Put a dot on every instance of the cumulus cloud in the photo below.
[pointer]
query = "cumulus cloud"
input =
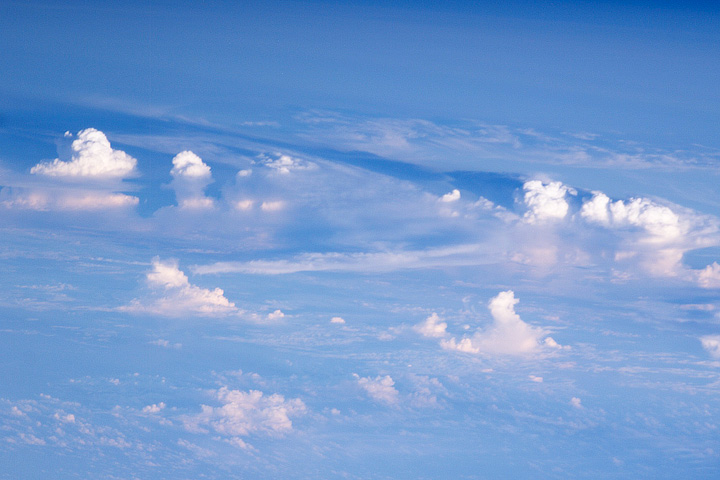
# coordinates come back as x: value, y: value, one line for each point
x: 284, y: 164
x: 381, y: 389
x: 576, y: 402
x: 453, y: 196
x: 709, y: 277
x: 711, y: 343
x: 154, y: 408
x: 91, y: 156
x: 658, y: 221
x: 174, y: 295
x: 546, y: 202
x: 431, y: 327
x: 246, y: 413
x: 190, y: 177
x: 338, y: 320
x: 508, y: 334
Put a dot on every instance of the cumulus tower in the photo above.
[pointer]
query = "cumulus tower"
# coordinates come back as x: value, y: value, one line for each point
x: 190, y: 177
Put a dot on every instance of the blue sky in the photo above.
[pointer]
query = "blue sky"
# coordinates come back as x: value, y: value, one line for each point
x: 359, y: 240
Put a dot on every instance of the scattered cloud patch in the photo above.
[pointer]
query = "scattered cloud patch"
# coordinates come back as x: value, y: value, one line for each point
x: 433, y: 326
x: 453, y: 196
x: 154, y: 408
x: 711, y: 343
x: 174, y: 295
x: 546, y: 202
x: 337, y: 320
x: 166, y: 344
x: 284, y: 164
x: 190, y: 177
x: 709, y: 277
x: 576, y: 402
x: 381, y: 389
x: 241, y: 414
x: 91, y: 156
x: 508, y: 334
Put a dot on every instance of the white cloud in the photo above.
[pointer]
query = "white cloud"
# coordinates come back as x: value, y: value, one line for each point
x: 190, y: 177
x: 165, y: 343
x: 453, y: 196
x: 272, y: 206
x: 658, y: 221
x: 380, y: 389
x: 546, y: 201
x: 91, y: 157
x: 276, y: 315
x: 76, y: 200
x: 709, y: 277
x: 174, y: 295
x: 338, y: 320
x: 711, y: 343
x: 431, y: 327
x: 508, y: 334
x: 246, y: 413
x: 576, y: 402
x: 536, y: 379
x: 284, y: 164
x: 154, y: 408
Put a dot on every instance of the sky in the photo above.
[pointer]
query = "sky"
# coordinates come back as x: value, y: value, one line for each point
x: 359, y: 240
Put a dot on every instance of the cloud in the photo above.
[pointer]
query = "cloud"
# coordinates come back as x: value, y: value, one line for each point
x: 174, y: 295
x: 338, y: 320
x: 246, y: 413
x: 711, y: 343
x: 154, y: 408
x: 709, y: 277
x: 453, y: 196
x: 91, y: 156
x: 431, y: 327
x: 508, y: 334
x: 75, y: 200
x: 381, y: 389
x: 190, y: 177
x: 284, y: 164
x: 546, y: 202
x: 576, y: 402
x: 658, y: 221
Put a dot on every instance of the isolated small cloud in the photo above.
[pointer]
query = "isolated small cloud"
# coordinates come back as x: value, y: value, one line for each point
x: 576, y: 402
x: 338, y: 320
x: 381, y: 389
x: 241, y: 414
x: 508, y: 334
x: 190, y: 177
x: 91, y: 156
x: 276, y: 315
x: 154, y: 408
x: 284, y: 164
x: 546, y: 202
x: 433, y: 326
x: 453, y: 196
x: 711, y: 343
x: 174, y: 295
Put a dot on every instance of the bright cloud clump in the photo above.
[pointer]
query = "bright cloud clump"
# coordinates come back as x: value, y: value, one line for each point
x: 381, y: 389
x: 91, y: 156
x: 174, y: 295
x: 546, y: 202
x: 508, y: 334
x: 190, y: 177
x: 247, y: 413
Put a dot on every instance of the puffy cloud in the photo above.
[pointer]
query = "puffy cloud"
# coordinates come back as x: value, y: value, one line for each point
x: 508, y: 334
x: 711, y: 343
x: 190, y: 177
x: 546, y: 201
x: 174, y: 295
x: 453, y: 196
x: 276, y: 315
x: 338, y: 320
x: 658, y: 221
x: 576, y: 402
x: 284, y: 164
x: 709, y: 277
x: 431, y: 327
x: 246, y: 413
x: 154, y: 408
x: 380, y: 389
x: 272, y: 206
x: 91, y: 156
